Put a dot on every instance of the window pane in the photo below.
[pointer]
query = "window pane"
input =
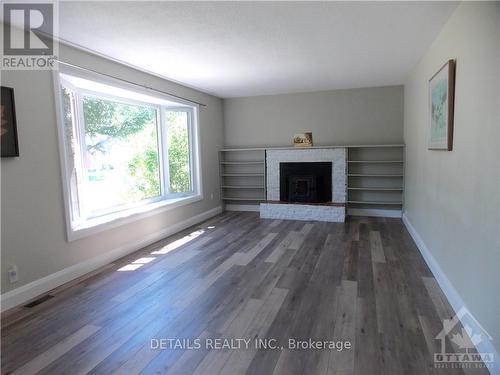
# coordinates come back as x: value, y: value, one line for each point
x: 178, y: 151
x: 121, y: 157
x: 70, y: 132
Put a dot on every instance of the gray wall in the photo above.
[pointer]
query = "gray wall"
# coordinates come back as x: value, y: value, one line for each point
x: 452, y: 198
x: 356, y: 116
x: 33, y: 227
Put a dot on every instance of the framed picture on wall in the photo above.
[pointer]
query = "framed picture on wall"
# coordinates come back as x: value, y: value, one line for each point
x: 8, y: 132
x: 441, y: 107
x: 303, y: 139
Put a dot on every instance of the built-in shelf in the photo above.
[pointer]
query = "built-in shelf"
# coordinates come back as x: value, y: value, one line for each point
x: 376, y: 202
x: 246, y: 149
x: 375, y: 188
x: 365, y: 165
x: 242, y: 175
x: 244, y: 199
x: 376, y: 161
x: 375, y: 175
x: 306, y: 148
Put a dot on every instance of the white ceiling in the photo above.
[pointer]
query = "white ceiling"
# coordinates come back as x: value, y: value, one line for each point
x: 234, y: 49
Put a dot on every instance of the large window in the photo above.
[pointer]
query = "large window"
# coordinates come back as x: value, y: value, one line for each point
x: 125, y: 150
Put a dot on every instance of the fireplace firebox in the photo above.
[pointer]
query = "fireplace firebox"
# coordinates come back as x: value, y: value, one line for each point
x: 309, y: 182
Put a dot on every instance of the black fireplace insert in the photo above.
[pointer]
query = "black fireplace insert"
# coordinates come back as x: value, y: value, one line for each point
x: 309, y: 182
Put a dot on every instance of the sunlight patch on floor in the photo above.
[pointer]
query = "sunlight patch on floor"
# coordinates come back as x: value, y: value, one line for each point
x: 178, y: 243
x: 130, y: 267
x: 143, y: 260
x: 164, y: 250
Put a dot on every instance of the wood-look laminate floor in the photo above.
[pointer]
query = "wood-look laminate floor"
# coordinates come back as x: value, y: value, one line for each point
x: 237, y: 276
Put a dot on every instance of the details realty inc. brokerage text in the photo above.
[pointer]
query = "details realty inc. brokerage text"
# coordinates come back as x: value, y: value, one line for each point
x: 246, y: 343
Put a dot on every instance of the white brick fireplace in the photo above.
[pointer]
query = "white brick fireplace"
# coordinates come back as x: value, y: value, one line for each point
x: 334, y: 211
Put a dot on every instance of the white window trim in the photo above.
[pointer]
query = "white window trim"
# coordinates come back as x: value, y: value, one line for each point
x: 141, y: 211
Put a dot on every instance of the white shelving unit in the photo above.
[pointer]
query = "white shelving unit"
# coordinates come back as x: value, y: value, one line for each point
x: 243, y: 180
x: 375, y: 175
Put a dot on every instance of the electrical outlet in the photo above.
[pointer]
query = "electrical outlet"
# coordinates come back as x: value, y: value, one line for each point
x: 12, y: 273
x: 212, y: 196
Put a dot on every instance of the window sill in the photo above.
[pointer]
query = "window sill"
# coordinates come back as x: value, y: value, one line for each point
x: 116, y: 219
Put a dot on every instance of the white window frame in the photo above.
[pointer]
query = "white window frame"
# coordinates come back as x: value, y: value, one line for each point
x: 87, y: 224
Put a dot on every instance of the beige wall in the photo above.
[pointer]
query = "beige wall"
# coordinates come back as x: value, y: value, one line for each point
x: 33, y: 227
x: 356, y: 116
x: 452, y: 198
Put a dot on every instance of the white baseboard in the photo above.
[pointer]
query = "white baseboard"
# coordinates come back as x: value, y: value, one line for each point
x: 29, y: 291
x: 378, y: 212
x: 242, y: 207
x: 456, y: 302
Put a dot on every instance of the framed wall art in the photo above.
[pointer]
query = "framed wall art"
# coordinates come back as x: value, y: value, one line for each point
x: 8, y: 132
x: 303, y: 139
x: 441, y: 107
